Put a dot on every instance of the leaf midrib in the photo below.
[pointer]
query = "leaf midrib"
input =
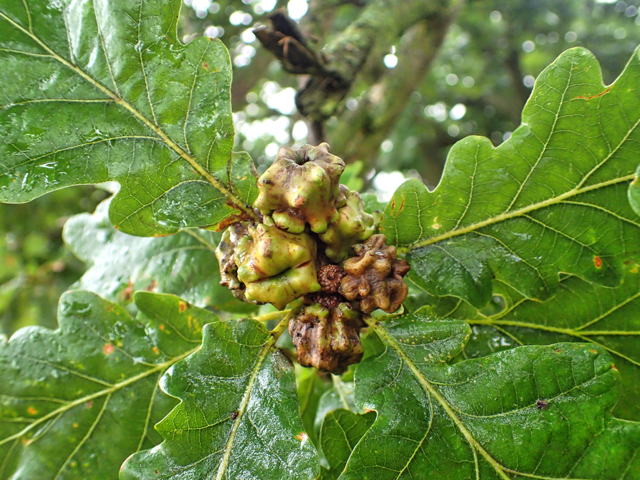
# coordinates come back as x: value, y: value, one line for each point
x: 156, y: 129
x: 513, y: 214
x: 243, y: 407
x: 501, y: 470
x: 475, y: 446
x: 93, y: 396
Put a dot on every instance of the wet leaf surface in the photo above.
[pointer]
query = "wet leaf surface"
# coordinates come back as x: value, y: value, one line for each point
x: 76, y: 402
x: 531, y: 412
x: 238, y: 416
x: 104, y: 90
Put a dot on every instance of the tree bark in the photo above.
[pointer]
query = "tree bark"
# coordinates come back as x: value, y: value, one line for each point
x: 360, y: 132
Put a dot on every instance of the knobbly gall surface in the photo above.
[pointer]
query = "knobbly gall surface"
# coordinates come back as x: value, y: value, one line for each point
x: 374, y: 277
x: 328, y: 339
x: 302, y: 186
x: 278, y: 261
x: 353, y: 225
x: 276, y: 266
x: 225, y: 253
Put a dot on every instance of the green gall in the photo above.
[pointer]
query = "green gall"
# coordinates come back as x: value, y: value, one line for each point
x: 225, y: 253
x: 302, y: 186
x: 353, y: 225
x: 327, y: 338
x: 276, y: 266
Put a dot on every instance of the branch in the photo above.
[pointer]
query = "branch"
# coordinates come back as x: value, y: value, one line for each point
x: 333, y: 72
x: 359, y: 133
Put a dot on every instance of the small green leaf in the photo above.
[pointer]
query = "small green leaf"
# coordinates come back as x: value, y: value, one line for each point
x: 183, y: 264
x: 339, y: 396
x: 530, y: 412
x: 371, y: 203
x: 75, y: 402
x: 550, y: 199
x: 351, y: 176
x: 238, y: 416
x: 341, y: 431
x: 104, y: 90
x: 310, y: 390
x: 634, y: 193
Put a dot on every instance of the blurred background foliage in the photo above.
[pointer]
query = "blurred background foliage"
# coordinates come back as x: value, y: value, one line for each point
x: 469, y: 73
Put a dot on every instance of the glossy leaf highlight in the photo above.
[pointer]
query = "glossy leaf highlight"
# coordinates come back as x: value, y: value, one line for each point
x: 238, y: 416
x: 104, y: 90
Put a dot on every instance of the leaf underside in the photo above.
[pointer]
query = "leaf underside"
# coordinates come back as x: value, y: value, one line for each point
x: 103, y: 90
x: 531, y: 412
x: 551, y: 199
x: 75, y: 402
x: 183, y: 264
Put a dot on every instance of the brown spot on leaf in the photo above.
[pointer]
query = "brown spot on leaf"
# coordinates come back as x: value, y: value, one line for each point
x: 231, y: 219
x: 89, y: 404
x: 127, y: 292
x: 597, y: 261
x: 205, y: 65
x: 182, y: 306
x: 594, y: 96
x: 234, y: 415
x: 302, y: 436
x: 542, y: 405
x: 108, y: 349
x: 32, y: 411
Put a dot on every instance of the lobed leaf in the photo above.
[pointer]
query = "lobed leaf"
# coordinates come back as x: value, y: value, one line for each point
x: 103, y: 90
x: 183, y: 264
x: 530, y: 412
x: 580, y: 311
x: 75, y: 402
x: 238, y: 416
x: 551, y: 199
x: 341, y: 432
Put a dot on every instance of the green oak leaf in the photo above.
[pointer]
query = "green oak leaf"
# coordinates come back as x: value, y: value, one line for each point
x: 75, y: 402
x: 551, y: 199
x: 530, y: 412
x: 341, y: 431
x: 103, y: 90
x: 183, y: 264
x: 634, y: 193
x: 311, y: 388
x: 580, y: 311
x: 339, y: 396
x: 238, y: 416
